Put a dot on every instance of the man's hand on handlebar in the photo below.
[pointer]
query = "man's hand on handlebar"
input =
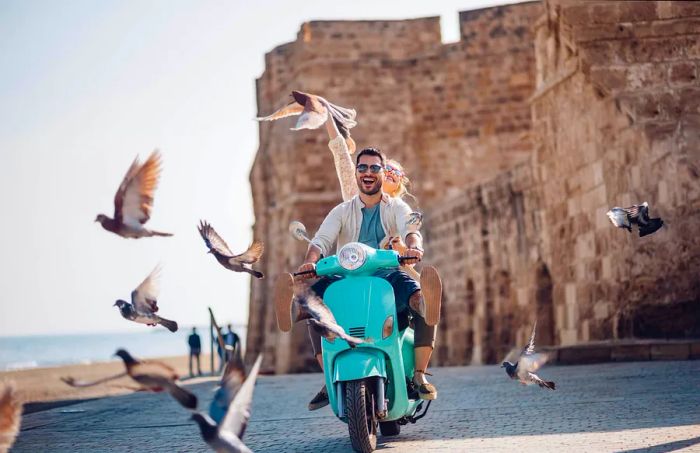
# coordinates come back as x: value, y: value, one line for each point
x: 412, y: 253
x: 306, y: 271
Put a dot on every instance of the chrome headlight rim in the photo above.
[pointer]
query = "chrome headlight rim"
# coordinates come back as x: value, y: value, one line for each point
x: 352, y: 256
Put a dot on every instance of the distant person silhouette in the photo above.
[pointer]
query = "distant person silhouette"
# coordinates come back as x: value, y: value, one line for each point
x: 195, y: 349
x: 232, y: 339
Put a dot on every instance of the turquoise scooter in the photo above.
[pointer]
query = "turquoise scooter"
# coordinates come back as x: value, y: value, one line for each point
x: 369, y: 385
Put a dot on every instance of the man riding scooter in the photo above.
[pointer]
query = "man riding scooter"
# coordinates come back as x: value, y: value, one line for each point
x: 369, y: 218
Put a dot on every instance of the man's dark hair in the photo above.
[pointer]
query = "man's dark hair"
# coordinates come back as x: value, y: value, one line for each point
x: 371, y: 152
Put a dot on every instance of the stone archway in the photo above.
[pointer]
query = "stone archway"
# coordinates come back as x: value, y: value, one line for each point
x: 544, y: 300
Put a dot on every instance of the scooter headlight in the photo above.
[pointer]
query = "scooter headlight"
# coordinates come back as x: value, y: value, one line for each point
x: 352, y: 256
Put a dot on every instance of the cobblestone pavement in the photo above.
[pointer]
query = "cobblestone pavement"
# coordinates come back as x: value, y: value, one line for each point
x: 630, y: 407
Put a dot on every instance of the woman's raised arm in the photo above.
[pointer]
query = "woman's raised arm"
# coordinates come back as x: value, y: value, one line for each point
x: 342, y: 159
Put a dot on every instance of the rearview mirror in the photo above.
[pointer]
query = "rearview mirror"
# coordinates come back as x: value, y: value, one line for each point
x: 298, y: 230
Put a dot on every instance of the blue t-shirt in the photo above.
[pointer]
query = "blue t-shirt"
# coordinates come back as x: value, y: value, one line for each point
x: 371, y: 231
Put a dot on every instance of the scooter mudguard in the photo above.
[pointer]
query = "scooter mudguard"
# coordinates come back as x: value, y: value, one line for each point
x: 359, y: 364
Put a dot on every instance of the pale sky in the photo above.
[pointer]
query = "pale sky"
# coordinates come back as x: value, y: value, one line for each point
x: 87, y: 85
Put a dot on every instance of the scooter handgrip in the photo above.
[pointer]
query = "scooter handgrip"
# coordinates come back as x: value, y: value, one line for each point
x: 407, y: 258
x: 296, y: 274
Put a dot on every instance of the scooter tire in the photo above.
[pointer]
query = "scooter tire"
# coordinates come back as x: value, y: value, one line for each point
x: 389, y: 428
x: 362, y: 424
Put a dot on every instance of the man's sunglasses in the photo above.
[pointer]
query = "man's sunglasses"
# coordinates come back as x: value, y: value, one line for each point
x: 374, y: 168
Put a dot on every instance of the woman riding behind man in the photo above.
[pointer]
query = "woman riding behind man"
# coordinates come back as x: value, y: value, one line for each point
x: 395, y: 185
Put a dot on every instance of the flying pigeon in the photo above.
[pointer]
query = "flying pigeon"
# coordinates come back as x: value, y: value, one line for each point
x: 150, y: 374
x: 415, y: 221
x: 10, y: 415
x: 635, y: 215
x: 144, y: 304
x: 314, y: 111
x: 524, y: 368
x: 226, y: 435
x: 311, y: 307
x: 224, y: 255
x: 157, y: 376
x: 134, y: 200
x: 231, y: 381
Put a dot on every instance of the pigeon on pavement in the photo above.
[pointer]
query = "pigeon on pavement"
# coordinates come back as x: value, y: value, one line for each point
x: 144, y: 304
x: 635, y: 215
x: 311, y: 307
x: 314, y: 111
x: 134, y: 200
x: 524, y: 368
x: 224, y: 255
x: 10, y: 415
x: 226, y: 436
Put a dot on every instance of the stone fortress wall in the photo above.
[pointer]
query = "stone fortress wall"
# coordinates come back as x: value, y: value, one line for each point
x: 518, y: 137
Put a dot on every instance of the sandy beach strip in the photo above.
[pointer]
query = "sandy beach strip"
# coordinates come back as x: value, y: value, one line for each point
x: 43, y: 388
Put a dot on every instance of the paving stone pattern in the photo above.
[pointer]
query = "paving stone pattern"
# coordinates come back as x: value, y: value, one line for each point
x: 630, y: 407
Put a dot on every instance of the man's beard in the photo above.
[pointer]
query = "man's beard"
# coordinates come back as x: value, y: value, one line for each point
x: 376, y: 188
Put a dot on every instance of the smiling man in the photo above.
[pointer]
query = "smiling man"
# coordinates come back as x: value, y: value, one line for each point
x: 369, y: 218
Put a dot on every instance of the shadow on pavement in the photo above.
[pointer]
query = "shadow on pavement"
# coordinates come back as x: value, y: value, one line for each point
x: 663, y: 448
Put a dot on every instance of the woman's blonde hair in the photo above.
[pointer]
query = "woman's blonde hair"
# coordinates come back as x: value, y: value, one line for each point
x: 404, y: 183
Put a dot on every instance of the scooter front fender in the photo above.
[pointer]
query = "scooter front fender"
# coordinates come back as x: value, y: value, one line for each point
x: 359, y: 363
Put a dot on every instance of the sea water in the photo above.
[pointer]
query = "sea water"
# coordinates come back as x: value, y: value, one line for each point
x: 34, y: 351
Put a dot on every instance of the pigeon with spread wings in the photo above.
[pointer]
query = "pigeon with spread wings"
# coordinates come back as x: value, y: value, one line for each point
x: 10, y: 415
x: 637, y: 214
x: 231, y: 381
x: 527, y: 363
x: 309, y: 306
x: 150, y: 374
x: 144, y: 303
x: 134, y: 200
x: 237, y: 263
x: 226, y: 435
x: 313, y: 111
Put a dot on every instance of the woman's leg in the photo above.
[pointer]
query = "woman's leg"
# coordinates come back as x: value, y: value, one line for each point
x: 424, y: 341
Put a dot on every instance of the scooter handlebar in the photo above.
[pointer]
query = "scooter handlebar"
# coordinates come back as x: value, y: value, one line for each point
x: 407, y: 258
x: 297, y: 274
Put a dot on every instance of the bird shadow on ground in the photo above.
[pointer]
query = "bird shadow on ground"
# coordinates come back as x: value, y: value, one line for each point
x: 663, y: 448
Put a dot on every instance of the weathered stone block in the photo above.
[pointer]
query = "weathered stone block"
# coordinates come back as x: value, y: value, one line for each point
x: 682, y: 73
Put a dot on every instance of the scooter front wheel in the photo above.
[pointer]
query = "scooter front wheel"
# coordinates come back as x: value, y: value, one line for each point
x: 362, y: 422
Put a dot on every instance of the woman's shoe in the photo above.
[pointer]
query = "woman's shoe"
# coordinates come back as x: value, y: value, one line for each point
x: 431, y: 290
x: 283, y: 297
x: 427, y: 391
